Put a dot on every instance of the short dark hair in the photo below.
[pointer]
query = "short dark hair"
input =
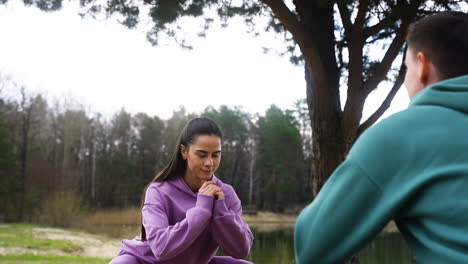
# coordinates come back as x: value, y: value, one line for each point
x: 443, y: 37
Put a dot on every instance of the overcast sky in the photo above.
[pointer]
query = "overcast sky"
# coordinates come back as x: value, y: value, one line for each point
x: 106, y: 66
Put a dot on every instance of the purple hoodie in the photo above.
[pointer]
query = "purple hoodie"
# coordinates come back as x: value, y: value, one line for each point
x: 183, y: 227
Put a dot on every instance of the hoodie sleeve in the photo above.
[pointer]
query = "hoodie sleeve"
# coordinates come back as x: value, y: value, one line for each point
x: 349, y: 211
x: 230, y: 231
x: 168, y: 241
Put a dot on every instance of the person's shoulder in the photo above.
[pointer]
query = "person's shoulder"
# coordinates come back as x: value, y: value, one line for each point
x: 398, y: 120
x: 396, y: 126
x: 220, y: 183
x: 157, y: 190
x: 390, y: 130
x: 156, y: 186
x: 385, y: 140
x: 227, y: 188
x: 400, y: 127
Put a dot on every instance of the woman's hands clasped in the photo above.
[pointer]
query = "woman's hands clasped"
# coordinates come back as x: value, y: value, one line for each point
x: 210, y: 188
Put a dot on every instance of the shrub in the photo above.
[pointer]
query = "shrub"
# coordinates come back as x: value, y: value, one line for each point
x: 61, y: 208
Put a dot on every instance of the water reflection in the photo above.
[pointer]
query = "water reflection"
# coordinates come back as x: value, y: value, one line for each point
x: 387, y: 249
x: 276, y: 247
x: 273, y: 247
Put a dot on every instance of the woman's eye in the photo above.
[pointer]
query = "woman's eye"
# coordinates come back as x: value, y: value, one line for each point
x: 217, y: 155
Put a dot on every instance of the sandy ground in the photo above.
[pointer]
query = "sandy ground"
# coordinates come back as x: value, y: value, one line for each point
x: 89, y: 245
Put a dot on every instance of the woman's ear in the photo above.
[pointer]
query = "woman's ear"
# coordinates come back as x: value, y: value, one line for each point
x: 183, y: 151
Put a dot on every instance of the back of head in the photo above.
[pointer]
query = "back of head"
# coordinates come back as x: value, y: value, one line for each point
x: 443, y: 37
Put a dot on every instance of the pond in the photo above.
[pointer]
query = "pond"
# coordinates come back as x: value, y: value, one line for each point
x: 276, y: 247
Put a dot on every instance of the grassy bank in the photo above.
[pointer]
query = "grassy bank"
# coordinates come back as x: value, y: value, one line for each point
x: 261, y: 221
x: 132, y: 216
x: 23, y: 243
x: 25, y: 258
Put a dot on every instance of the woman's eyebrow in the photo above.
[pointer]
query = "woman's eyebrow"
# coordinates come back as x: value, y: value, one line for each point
x: 204, y: 151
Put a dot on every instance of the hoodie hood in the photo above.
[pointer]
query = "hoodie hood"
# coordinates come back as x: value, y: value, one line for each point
x: 450, y: 93
x: 182, y: 186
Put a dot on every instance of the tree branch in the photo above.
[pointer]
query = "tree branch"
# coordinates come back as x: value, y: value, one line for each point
x: 361, y: 15
x: 355, y: 48
x: 345, y: 17
x: 377, y: 38
x: 305, y: 39
x: 383, y: 67
x: 410, y: 11
x: 388, y: 100
x: 370, y: 31
x: 289, y: 20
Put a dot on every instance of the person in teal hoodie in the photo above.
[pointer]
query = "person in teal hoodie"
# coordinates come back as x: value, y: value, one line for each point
x: 411, y: 167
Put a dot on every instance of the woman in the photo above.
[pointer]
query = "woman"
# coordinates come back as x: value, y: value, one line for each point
x: 188, y: 213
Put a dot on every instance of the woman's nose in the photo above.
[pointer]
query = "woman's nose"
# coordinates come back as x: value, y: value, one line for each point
x: 208, y: 162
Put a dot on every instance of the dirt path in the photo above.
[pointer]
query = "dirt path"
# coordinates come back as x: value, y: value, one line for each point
x: 88, y: 245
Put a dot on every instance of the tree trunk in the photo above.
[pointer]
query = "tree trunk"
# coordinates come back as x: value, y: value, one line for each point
x: 24, y: 160
x: 327, y: 146
x: 234, y: 179
x: 323, y: 95
x: 251, y: 168
x: 312, y: 27
x: 93, y: 172
x: 25, y: 127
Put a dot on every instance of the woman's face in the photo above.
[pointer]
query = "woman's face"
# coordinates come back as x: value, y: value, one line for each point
x: 203, y: 157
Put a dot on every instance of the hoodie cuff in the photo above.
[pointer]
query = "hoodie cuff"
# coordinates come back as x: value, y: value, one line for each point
x: 204, y: 201
x: 220, y: 208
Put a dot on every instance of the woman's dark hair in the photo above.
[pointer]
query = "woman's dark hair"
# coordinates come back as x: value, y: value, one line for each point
x: 443, y: 37
x: 177, y: 165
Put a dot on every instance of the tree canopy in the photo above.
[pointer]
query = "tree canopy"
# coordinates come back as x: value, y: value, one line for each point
x: 336, y: 40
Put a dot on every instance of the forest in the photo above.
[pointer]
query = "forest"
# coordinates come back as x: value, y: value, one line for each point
x: 56, y: 154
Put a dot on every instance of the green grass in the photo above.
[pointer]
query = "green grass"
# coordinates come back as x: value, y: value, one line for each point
x: 20, y: 235
x: 33, y: 259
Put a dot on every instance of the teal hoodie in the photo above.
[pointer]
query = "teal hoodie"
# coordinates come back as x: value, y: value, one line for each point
x: 411, y: 167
